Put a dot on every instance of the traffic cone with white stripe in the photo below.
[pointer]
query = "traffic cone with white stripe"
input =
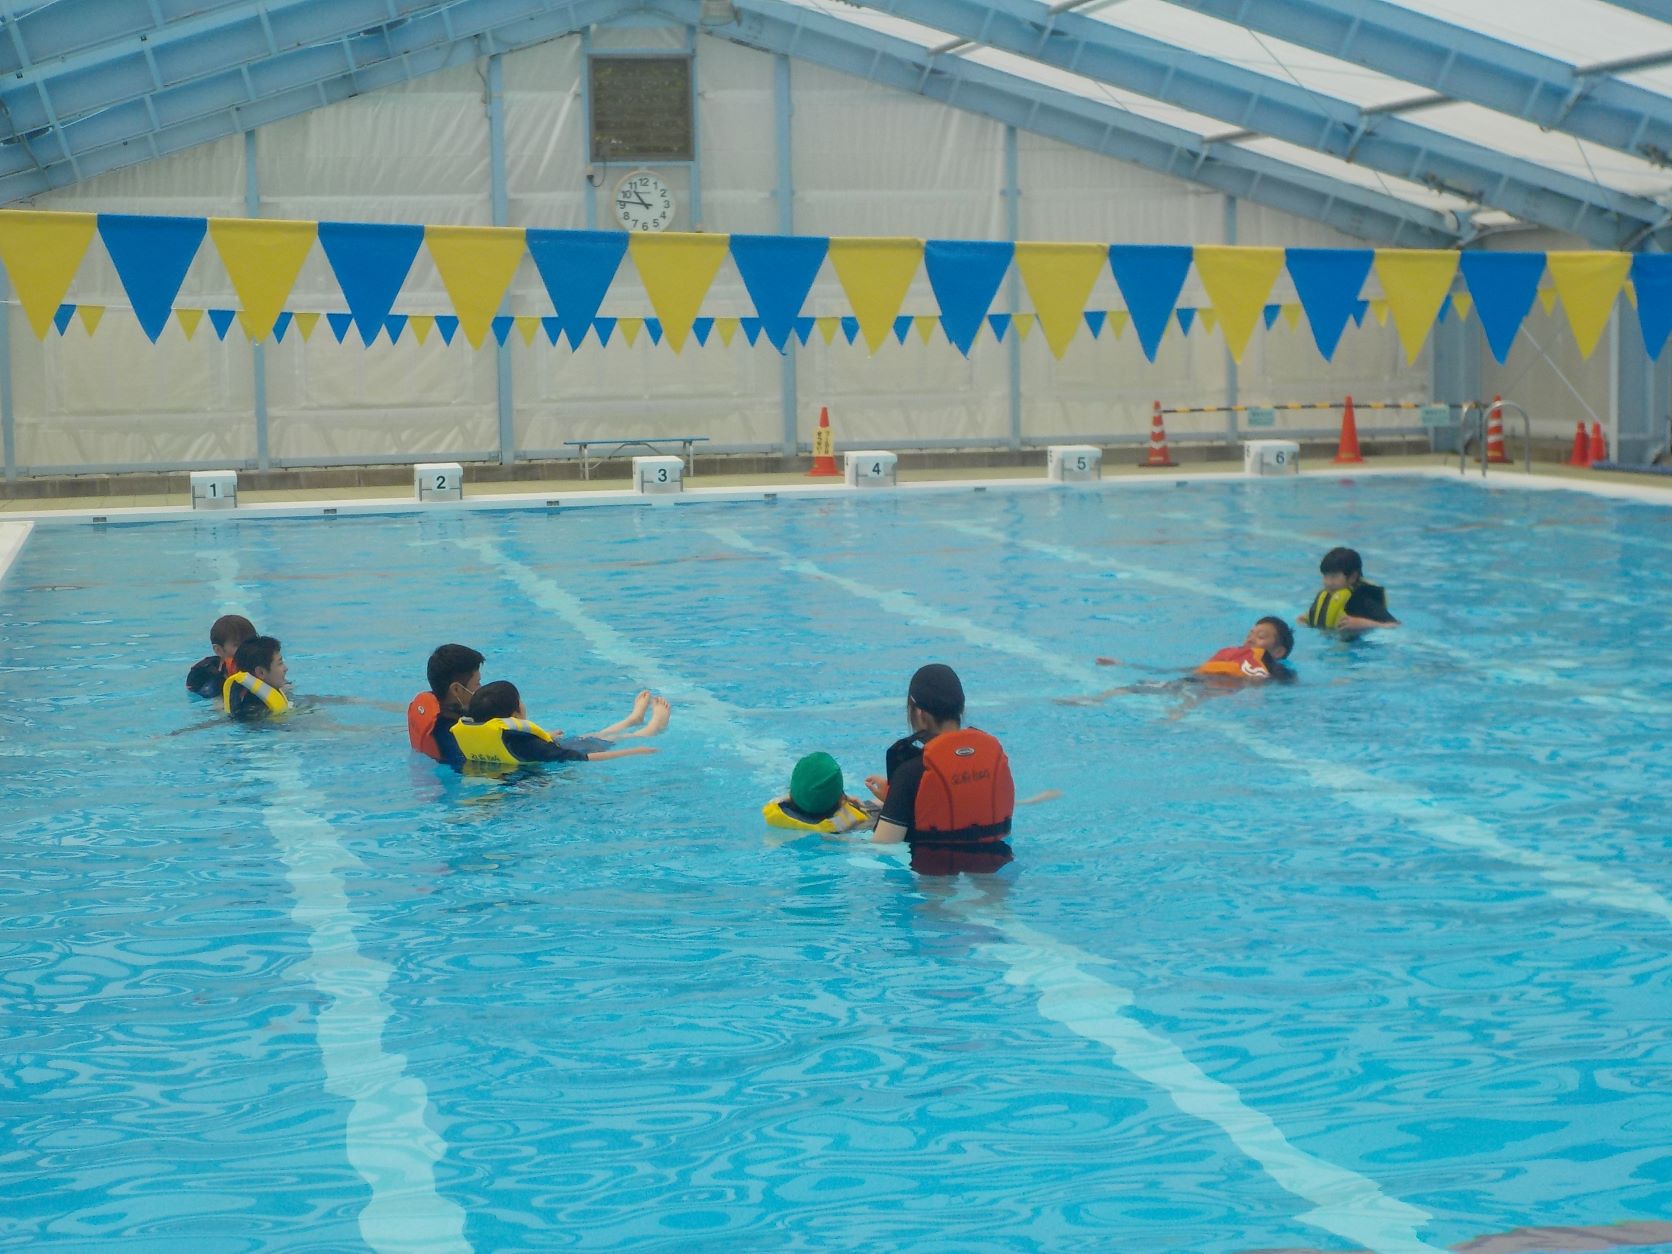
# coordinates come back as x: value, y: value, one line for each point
x: 824, y: 449
x: 1158, y: 455
x: 1495, y: 432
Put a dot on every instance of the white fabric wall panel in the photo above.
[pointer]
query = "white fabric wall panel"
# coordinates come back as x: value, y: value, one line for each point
x: 1105, y: 387
x: 545, y: 136
x: 737, y: 138
x: 1071, y: 194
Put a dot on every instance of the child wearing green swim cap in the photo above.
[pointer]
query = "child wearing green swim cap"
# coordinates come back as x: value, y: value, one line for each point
x: 817, y: 797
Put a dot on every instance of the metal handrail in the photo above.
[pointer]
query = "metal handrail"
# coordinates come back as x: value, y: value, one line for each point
x: 1483, y: 420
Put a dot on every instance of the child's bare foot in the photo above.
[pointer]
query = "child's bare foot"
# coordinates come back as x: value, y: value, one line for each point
x: 641, y: 705
x: 659, y: 711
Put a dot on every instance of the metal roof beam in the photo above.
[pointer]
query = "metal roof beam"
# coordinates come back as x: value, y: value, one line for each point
x: 896, y: 63
x: 51, y: 32
x: 250, y: 96
x: 1282, y: 110
x: 1466, y: 65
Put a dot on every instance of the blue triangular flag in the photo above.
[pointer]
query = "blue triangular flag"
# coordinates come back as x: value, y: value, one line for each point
x: 61, y: 317
x: 751, y: 328
x: 1271, y: 313
x: 1651, y: 274
x: 1360, y: 308
x: 803, y: 329
x: 602, y: 327
x: 370, y: 260
x: 1445, y: 310
x: 1504, y: 287
x: 1095, y: 318
x: 701, y: 328
x: 1327, y: 283
x: 553, y: 328
x: 221, y: 319
x: 151, y: 256
x: 577, y: 268
x: 902, y: 327
x: 1187, y: 319
x: 393, y: 326
x: 653, y: 328
x: 448, y: 325
x: 502, y: 327
x: 1000, y: 324
x: 339, y: 324
x: 778, y: 271
x: 1150, y: 276
x: 850, y: 328
x: 965, y: 276
x: 281, y: 324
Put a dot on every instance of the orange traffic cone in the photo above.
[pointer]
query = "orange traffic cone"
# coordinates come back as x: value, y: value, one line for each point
x: 1581, y: 455
x: 824, y: 449
x: 1599, y: 446
x: 1347, y: 450
x: 1158, y: 455
x: 1495, y: 432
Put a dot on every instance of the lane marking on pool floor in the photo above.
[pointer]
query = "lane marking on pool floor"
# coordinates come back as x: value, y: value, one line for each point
x: 1345, y: 1203
x: 389, y: 1142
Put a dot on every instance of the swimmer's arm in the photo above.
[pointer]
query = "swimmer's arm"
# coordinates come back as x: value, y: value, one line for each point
x: 1352, y: 622
x: 606, y: 754
x: 887, y: 832
x: 325, y: 699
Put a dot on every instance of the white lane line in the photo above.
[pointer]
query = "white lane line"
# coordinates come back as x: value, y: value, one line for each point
x: 389, y: 1140
x: 12, y: 536
x: 1346, y: 1204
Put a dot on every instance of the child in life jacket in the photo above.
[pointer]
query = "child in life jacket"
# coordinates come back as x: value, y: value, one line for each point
x: 816, y: 801
x: 454, y: 673
x: 1259, y: 658
x: 949, y: 794
x: 259, y: 684
x: 497, y: 732
x: 1346, y: 602
x: 206, y: 678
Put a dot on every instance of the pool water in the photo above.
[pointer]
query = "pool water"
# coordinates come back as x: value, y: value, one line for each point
x: 1377, y: 960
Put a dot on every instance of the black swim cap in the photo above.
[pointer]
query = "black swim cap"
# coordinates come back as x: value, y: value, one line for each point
x: 936, y: 691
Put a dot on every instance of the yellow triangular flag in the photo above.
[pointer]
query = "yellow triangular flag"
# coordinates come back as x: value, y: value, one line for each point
x: 677, y: 270
x: 476, y: 264
x: 1631, y: 293
x: 1461, y: 303
x: 1238, y: 282
x: 262, y: 258
x: 924, y: 325
x: 1059, y: 279
x: 630, y: 328
x: 42, y: 252
x: 305, y: 323
x: 875, y: 274
x: 1118, y: 318
x: 1291, y: 314
x: 421, y: 325
x: 1547, y: 299
x: 727, y: 328
x: 527, y: 327
x: 189, y: 320
x: 1023, y: 325
x: 1379, y: 311
x: 1207, y: 318
x: 828, y: 327
x: 89, y: 315
x: 1415, y: 282
x: 1589, y: 284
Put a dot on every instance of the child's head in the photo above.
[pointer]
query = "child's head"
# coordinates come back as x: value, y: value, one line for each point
x: 1341, y: 568
x: 455, y: 672
x: 499, y: 699
x: 816, y: 786
x: 1274, y: 636
x: 261, y: 657
x: 936, y: 692
x: 227, y: 633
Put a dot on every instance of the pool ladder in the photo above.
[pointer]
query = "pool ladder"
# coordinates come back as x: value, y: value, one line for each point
x: 1482, y: 417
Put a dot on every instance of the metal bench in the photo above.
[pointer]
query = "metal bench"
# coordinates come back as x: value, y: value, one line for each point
x: 616, y: 446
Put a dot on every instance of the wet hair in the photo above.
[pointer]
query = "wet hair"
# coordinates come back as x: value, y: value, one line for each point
x: 936, y: 690
x: 231, y: 629
x: 451, y: 664
x: 1341, y: 562
x: 256, y: 653
x: 499, y: 699
x: 1285, y: 636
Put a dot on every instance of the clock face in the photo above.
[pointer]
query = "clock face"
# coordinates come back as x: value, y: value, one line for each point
x: 643, y: 202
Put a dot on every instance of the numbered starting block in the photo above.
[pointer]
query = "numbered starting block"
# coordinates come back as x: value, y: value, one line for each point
x: 214, y: 489
x: 869, y: 468
x: 1270, y: 457
x: 438, y: 481
x: 656, y: 475
x: 1073, y: 463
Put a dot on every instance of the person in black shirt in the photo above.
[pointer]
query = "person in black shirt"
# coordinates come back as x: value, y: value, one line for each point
x: 1347, y: 602
x: 206, y: 678
x: 498, y: 733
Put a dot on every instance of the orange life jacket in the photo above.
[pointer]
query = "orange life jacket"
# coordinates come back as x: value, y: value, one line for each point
x: 1241, y: 660
x: 421, y: 715
x: 967, y: 795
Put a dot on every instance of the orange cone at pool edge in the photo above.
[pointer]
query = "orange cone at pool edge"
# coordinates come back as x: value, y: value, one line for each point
x: 1581, y: 455
x: 1599, y: 446
x: 824, y: 449
x: 1158, y: 455
x: 1495, y: 432
x: 1347, y: 451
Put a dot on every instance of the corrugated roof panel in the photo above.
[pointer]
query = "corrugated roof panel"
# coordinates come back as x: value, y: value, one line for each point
x: 1346, y: 172
x: 1555, y: 151
x: 1580, y: 32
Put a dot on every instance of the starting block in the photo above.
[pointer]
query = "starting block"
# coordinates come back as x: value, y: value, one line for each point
x: 438, y: 481
x: 1073, y: 463
x: 214, y: 489
x: 1270, y: 457
x: 655, y: 475
x: 869, y: 468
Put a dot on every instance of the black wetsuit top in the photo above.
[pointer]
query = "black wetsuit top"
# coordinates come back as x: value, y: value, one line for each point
x: 1370, y: 601
x: 206, y: 677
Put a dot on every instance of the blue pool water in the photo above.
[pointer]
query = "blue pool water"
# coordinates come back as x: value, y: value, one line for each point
x: 1379, y: 960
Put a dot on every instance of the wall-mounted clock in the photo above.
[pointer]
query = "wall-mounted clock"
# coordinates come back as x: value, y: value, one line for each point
x: 643, y: 202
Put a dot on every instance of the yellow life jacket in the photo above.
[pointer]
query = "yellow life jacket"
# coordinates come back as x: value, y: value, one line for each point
x: 485, y: 742
x: 270, y: 696
x: 1328, y: 608
x: 847, y: 817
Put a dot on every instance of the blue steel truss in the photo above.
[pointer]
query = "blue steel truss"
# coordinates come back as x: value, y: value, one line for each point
x: 1465, y: 65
